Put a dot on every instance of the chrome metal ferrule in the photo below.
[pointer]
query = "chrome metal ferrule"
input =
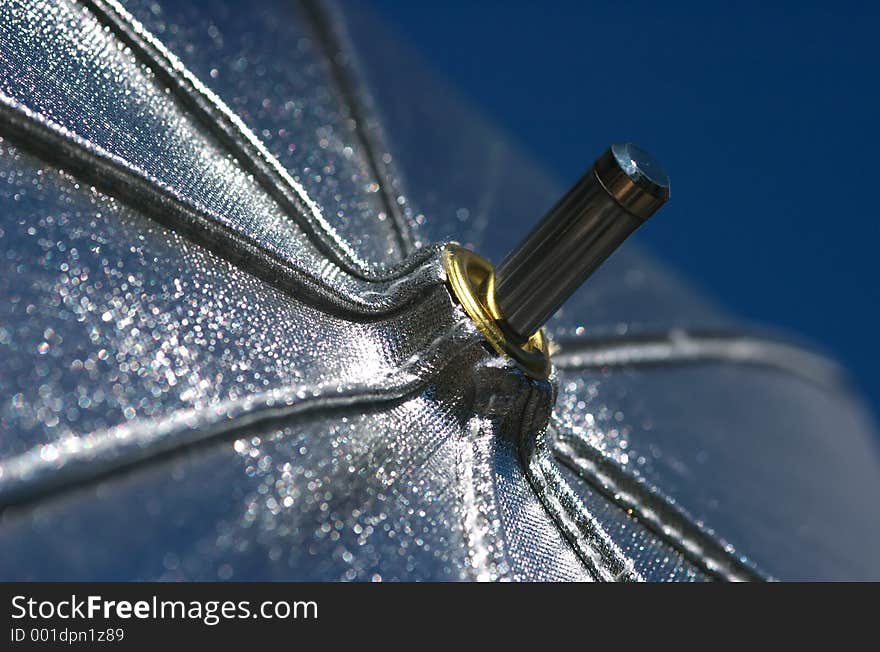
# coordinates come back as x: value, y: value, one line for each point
x: 622, y: 189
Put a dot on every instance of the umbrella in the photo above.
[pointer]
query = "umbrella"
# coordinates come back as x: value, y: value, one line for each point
x: 232, y: 349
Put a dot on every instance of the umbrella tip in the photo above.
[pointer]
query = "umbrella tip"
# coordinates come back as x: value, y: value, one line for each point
x: 623, y: 188
x: 642, y: 170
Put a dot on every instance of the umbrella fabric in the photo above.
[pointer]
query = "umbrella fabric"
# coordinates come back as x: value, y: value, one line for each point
x: 229, y: 351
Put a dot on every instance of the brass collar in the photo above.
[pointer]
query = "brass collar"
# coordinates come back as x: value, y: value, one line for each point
x: 472, y: 279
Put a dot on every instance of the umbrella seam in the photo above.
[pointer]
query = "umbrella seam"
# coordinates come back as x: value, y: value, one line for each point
x: 48, y: 468
x: 677, y: 346
x: 655, y: 511
x: 599, y: 553
x: 337, y: 44
x: 596, y: 550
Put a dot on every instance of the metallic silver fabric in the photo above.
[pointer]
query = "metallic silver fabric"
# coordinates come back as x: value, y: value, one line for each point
x: 295, y: 105
x: 227, y: 355
x: 777, y: 466
x: 394, y: 491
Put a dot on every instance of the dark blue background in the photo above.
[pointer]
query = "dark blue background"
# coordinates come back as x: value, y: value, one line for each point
x: 764, y: 114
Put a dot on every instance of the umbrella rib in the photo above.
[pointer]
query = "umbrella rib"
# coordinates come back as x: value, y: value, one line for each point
x: 340, y: 53
x: 602, y: 557
x: 50, y: 468
x: 26, y: 478
x: 677, y: 347
x: 241, y: 142
x: 653, y: 510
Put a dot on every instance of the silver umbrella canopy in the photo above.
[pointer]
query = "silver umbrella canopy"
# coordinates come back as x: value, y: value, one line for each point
x: 229, y: 350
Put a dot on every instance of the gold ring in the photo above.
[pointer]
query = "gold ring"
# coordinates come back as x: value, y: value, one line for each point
x: 472, y: 279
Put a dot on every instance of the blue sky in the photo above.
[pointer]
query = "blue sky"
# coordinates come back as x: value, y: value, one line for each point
x: 764, y: 114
